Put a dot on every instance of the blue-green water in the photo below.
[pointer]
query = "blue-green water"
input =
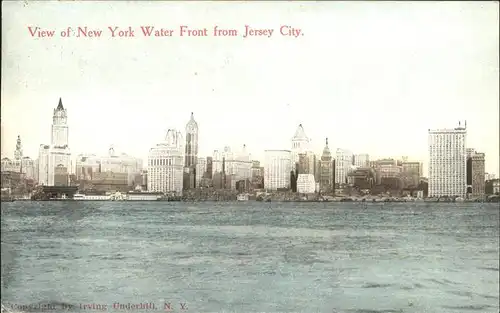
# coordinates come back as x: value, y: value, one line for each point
x: 251, y: 257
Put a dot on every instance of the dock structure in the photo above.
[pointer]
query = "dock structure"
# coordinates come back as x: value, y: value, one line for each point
x: 59, y: 192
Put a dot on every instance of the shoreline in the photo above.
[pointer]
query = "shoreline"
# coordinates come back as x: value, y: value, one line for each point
x: 366, y: 201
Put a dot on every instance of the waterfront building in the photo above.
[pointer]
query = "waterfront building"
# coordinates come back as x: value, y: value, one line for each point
x: 217, y: 162
x: 478, y: 181
x: 304, y: 164
x: 306, y: 183
x: 362, y: 177
x: 277, y: 168
x: 123, y: 171
x: 234, y: 164
x: 447, y: 162
x: 307, y: 164
x: 496, y: 186
x: 388, y: 173
x: 201, y: 169
x: 257, y: 175
x: 43, y: 164
x: 475, y: 173
x: 191, y: 154
x: 20, y: 164
x: 343, y: 164
x: 326, y: 182
x: 361, y: 160
x: 209, y: 169
x: 239, y: 164
x: 142, y: 180
x: 29, y: 168
x: 54, y: 160
x: 412, y: 171
x: 311, y: 157
x: 15, y: 164
x: 11, y: 181
x: 109, y: 182
x: 166, y: 165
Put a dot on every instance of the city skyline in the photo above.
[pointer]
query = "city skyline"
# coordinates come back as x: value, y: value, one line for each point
x: 462, y: 125
x: 423, y: 74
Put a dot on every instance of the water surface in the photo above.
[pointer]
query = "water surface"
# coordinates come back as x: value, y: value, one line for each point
x: 252, y: 257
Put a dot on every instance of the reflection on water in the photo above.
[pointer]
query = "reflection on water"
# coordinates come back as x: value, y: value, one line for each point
x: 250, y: 257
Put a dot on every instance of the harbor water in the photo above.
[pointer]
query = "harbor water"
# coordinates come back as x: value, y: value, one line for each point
x: 250, y: 257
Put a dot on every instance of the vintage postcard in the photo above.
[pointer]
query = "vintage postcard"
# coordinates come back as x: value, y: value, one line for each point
x: 264, y: 156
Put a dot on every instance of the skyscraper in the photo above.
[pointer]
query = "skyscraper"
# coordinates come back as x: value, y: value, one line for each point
x: 447, y: 162
x: 343, y: 164
x: 305, y: 179
x: 55, y: 159
x: 201, y: 168
x: 277, y: 167
x: 166, y: 164
x: 326, y: 185
x: 475, y: 173
x: 191, y: 153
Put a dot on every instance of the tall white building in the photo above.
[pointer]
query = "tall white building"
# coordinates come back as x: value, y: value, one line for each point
x: 236, y: 163
x: 362, y: 160
x: 306, y: 183
x: 343, y: 165
x: 300, y: 144
x: 217, y: 161
x: 277, y: 167
x: 166, y: 164
x: 448, y: 162
x: 201, y: 168
x: 55, y: 159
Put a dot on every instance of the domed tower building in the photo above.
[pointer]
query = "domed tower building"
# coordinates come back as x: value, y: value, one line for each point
x: 300, y: 144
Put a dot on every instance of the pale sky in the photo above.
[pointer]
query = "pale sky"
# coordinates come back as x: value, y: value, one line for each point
x: 373, y: 77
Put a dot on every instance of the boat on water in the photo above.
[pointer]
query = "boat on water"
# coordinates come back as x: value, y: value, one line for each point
x: 83, y: 197
x: 242, y: 197
x: 131, y: 196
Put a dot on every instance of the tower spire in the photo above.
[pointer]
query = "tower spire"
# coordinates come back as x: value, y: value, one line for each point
x: 60, y: 105
x: 326, y: 141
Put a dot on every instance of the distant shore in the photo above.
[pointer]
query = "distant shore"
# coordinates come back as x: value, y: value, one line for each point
x: 270, y: 200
